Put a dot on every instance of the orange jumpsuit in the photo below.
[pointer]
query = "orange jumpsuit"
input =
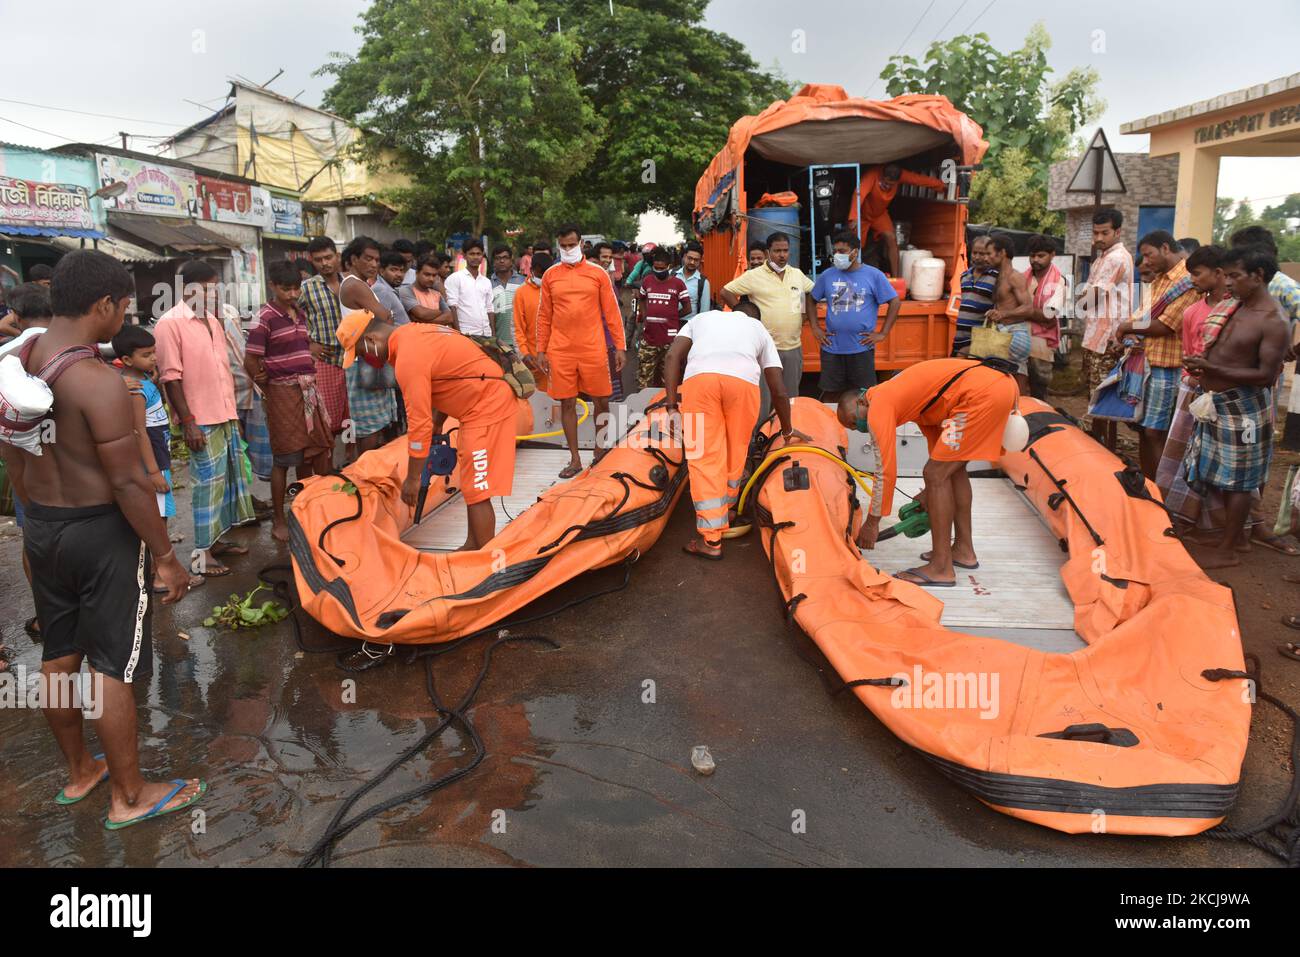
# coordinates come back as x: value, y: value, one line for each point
x: 438, y: 368
x: 575, y: 300
x: 718, y: 413
x: 965, y: 425
x: 527, y: 299
x: 875, y: 201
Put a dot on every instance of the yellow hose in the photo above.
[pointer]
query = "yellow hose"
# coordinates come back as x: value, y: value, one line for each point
x: 811, y: 449
x: 586, y: 411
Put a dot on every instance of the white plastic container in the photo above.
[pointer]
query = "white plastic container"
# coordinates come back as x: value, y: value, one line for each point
x: 907, y: 258
x: 927, y: 280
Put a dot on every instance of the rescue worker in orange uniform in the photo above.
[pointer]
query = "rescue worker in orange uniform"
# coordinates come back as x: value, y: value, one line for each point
x: 962, y: 407
x: 714, y: 364
x: 577, y: 297
x: 442, y: 373
x: 527, y: 298
x: 878, y: 187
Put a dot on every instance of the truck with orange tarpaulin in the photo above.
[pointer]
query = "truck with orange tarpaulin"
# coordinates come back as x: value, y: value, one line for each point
x: 822, y: 146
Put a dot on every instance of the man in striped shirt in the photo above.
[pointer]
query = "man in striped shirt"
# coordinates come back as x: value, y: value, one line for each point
x: 979, y: 285
x: 278, y: 358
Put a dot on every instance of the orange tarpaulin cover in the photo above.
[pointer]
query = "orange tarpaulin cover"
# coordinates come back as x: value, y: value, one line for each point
x: 821, y: 102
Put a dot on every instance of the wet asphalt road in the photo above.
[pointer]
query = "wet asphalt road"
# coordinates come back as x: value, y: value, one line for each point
x: 582, y: 767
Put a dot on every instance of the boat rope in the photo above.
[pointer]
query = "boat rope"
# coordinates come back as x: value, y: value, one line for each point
x: 1279, y: 833
x: 321, y: 852
x: 586, y: 411
x: 1053, y: 501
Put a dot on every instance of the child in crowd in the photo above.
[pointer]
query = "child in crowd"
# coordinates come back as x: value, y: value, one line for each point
x: 136, y: 351
x: 278, y: 358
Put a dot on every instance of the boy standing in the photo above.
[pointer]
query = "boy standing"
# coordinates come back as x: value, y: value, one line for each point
x: 279, y: 360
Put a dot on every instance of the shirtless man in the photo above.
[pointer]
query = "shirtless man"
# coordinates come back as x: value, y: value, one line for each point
x: 371, y: 407
x: 91, y: 524
x: 1011, y: 302
x: 1232, y: 453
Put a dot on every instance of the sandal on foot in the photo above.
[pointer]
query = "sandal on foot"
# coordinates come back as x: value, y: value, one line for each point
x: 922, y: 579
x: 968, y: 566
x: 227, y: 548
x: 157, y: 809
x: 1283, y: 544
x: 570, y: 470
x: 33, y: 629
x: 62, y: 797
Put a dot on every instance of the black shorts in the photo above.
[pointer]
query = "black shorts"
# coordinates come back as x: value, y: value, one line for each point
x: 841, y: 373
x: 91, y: 578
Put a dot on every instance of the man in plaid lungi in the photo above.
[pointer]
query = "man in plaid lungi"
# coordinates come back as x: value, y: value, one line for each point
x: 320, y: 300
x: 194, y: 368
x: 1232, y: 444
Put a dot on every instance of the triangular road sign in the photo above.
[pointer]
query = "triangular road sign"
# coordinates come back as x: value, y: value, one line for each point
x: 1097, y: 171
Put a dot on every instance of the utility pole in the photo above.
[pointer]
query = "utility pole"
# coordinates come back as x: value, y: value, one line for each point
x: 123, y: 135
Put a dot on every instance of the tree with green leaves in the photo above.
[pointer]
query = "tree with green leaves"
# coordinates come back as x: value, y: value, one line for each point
x: 1277, y: 219
x: 477, y: 98
x: 1029, y: 121
x: 668, y: 89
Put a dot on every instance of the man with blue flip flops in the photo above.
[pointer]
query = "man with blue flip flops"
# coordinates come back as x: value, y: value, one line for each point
x: 91, y: 529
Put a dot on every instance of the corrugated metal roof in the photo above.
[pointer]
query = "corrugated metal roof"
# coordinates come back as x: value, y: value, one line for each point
x: 116, y: 247
x: 182, y: 235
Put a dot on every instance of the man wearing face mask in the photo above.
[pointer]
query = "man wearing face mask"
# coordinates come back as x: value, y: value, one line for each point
x: 372, y: 406
x: 853, y: 293
x: 577, y: 300
x: 662, y: 303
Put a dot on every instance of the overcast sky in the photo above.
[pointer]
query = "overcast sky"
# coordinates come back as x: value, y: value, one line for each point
x: 143, y: 60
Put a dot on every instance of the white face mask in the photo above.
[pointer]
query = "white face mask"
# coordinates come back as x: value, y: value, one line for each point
x: 842, y: 260
x: 775, y: 268
x: 571, y: 256
x: 535, y: 280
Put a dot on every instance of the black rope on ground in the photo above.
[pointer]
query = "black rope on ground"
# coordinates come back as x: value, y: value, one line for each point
x: 1279, y: 833
x: 322, y: 851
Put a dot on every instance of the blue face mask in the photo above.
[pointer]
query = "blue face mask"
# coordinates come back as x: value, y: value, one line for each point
x: 842, y: 260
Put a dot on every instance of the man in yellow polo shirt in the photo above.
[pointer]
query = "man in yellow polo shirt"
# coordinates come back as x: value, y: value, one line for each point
x: 783, y: 295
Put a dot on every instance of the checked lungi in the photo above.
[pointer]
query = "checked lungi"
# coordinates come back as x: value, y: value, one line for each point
x: 1233, y: 452
x: 369, y: 410
x: 220, y: 494
x: 332, y: 384
x: 1203, y: 511
x: 297, y: 419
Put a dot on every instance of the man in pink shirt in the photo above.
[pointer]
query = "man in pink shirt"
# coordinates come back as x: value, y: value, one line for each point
x: 1105, y: 306
x: 193, y: 368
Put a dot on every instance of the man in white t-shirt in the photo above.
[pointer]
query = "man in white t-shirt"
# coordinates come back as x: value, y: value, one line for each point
x: 724, y: 355
x: 470, y: 295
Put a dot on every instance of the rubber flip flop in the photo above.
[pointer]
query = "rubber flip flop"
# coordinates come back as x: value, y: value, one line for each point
x: 62, y: 797
x: 1279, y: 544
x: 1291, y: 621
x: 968, y: 566
x: 157, y: 809
x: 1289, y: 650
x: 569, y: 471
x: 33, y: 630
x: 220, y: 571
x: 228, y: 548
x: 926, y: 581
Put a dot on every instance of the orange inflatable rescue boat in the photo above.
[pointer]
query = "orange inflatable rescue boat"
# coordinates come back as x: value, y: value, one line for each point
x: 364, y: 569
x: 1142, y: 730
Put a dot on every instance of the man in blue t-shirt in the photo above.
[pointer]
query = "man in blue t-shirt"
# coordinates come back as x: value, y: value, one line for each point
x: 853, y: 293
